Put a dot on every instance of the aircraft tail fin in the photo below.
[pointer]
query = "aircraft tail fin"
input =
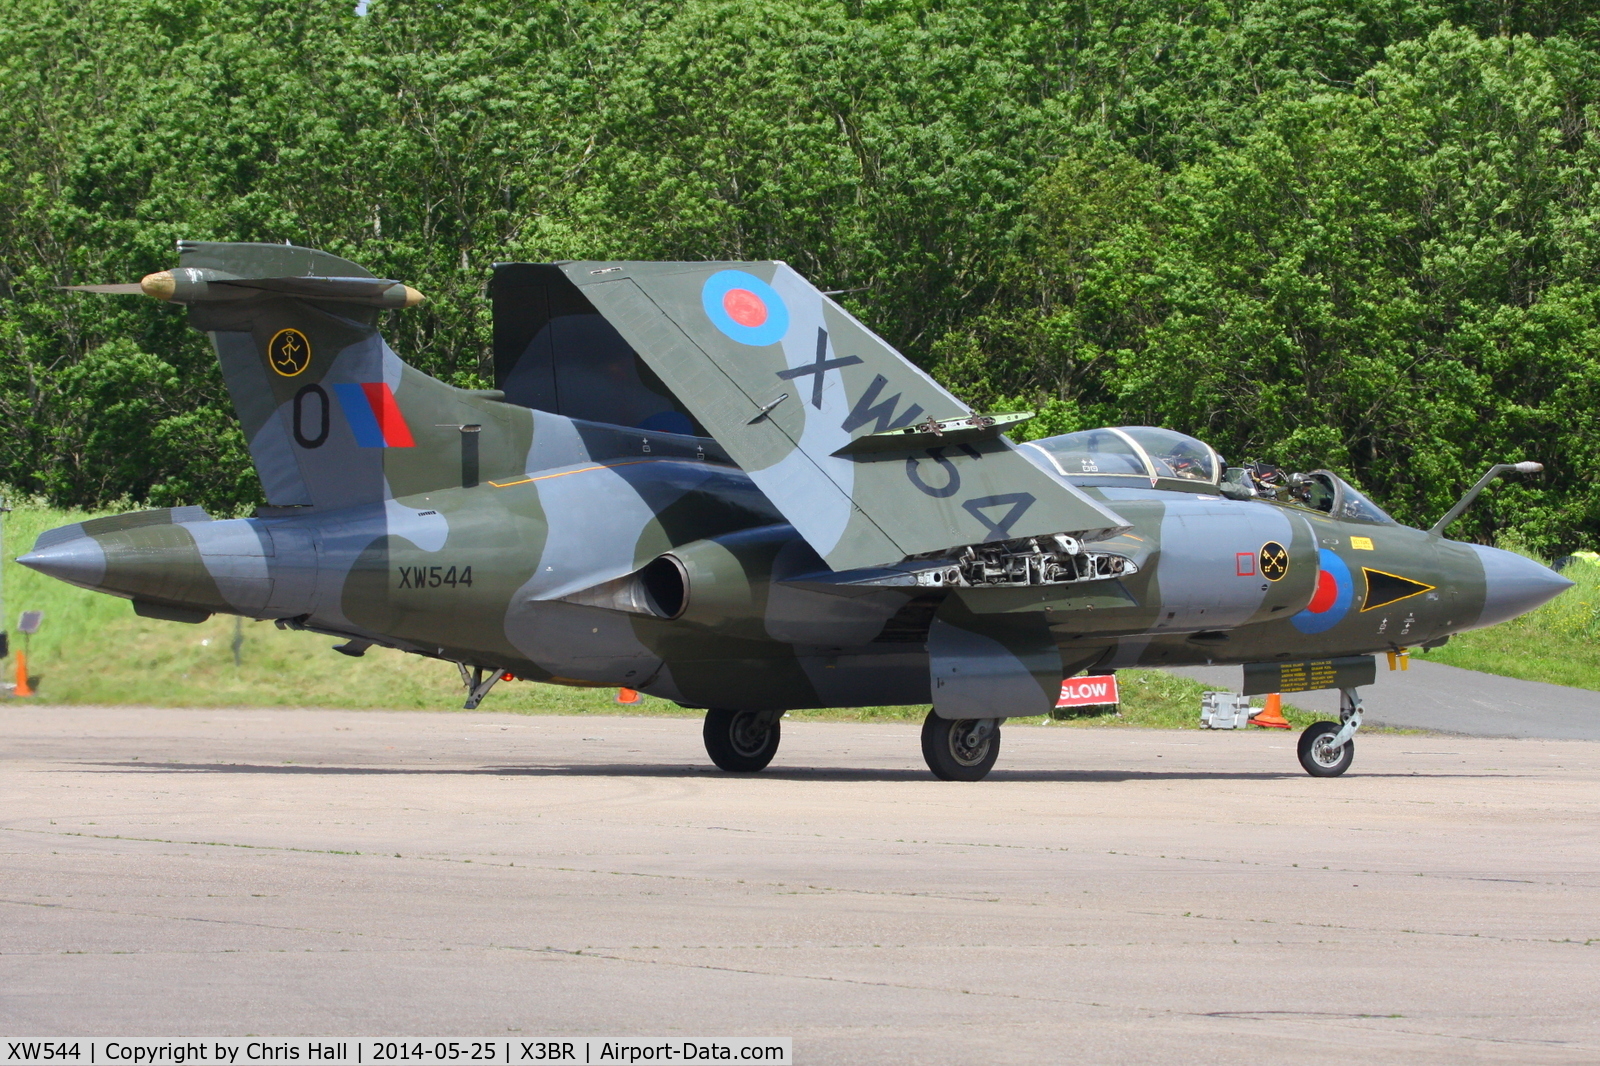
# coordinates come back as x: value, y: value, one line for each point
x: 554, y: 352
x: 333, y: 417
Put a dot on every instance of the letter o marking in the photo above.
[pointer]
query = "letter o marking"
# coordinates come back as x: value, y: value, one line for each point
x: 300, y: 436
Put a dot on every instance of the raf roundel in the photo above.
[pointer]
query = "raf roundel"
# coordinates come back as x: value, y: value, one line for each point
x: 1331, y: 600
x: 744, y: 308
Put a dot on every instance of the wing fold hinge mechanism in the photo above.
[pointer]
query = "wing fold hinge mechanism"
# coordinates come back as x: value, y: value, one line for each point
x: 1027, y: 562
x: 934, y: 432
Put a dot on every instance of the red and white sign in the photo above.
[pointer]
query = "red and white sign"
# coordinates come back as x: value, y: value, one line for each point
x: 1088, y: 691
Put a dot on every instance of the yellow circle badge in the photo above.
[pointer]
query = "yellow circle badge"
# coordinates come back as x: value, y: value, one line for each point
x: 289, y: 352
x: 1274, y: 560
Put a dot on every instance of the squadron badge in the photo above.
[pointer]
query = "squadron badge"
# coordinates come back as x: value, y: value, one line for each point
x: 289, y: 352
x: 1274, y: 559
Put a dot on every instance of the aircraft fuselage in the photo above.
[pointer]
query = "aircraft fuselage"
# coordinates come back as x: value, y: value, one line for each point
x: 499, y: 574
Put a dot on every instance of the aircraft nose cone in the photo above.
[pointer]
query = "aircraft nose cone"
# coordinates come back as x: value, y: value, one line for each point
x: 78, y: 561
x: 1514, y: 585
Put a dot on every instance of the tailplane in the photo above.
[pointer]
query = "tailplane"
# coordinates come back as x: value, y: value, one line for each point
x: 332, y: 415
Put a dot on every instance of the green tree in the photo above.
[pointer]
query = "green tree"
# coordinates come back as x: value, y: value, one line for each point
x: 1358, y: 234
x: 1391, y: 282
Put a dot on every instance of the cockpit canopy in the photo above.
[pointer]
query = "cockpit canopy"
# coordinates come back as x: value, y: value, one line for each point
x: 1320, y: 490
x: 1165, y: 459
x: 1132, y: 451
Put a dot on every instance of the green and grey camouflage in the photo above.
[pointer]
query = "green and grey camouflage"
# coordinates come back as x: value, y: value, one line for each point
x: 709, y: 482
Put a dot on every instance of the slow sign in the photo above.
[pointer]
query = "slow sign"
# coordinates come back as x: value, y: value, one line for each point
x: 1088, y: 691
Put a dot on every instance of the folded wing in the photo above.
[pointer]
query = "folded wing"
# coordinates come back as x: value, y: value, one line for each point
x: 864, y: 454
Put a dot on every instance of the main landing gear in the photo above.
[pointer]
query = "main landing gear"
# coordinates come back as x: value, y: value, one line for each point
x: 742, y: 741
x: 960, y: 749
x: 1326, y: 749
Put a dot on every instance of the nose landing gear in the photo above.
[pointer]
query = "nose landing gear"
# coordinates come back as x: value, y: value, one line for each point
x: 960, y: 749
x: 1326, y: 749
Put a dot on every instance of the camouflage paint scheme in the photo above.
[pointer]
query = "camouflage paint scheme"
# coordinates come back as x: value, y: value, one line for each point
x: 799, y: 556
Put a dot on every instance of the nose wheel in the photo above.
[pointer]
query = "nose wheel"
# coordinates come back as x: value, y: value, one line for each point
x: 960, y: 749
x: 741, y: 741
x: 1326, y: 748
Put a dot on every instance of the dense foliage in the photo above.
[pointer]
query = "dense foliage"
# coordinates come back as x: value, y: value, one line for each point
x: 1358, y: 234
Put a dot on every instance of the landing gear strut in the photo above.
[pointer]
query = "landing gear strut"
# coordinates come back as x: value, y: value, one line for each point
x: 1326, y: 749
x: 742, y: 741
x: 960, y: 749
x: 479, y: 681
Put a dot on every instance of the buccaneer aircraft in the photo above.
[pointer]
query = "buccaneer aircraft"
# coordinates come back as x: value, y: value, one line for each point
x: 709, y: 482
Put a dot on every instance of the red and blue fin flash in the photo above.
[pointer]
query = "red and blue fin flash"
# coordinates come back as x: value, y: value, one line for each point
x: 374, y: 415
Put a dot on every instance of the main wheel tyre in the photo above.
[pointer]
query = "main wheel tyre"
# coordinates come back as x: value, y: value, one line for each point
x: 741, y: 741
x: 957, y: 749
x: 1319, y: 756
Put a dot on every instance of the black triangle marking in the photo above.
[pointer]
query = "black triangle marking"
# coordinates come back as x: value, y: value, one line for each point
x: 1384, y: 589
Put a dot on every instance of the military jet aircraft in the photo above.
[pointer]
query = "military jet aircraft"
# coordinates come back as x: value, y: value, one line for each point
x: 708, y: 482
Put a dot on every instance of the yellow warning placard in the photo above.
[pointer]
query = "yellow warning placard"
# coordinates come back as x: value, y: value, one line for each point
x: 1349, y: 671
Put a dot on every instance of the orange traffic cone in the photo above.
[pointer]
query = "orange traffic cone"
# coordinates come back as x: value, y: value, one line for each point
x: 1271, y: 715
x: 628, y: 695
x: 22, y: 688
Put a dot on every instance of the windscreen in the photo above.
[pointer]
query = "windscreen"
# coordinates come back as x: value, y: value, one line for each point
x: 1352, y: 506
